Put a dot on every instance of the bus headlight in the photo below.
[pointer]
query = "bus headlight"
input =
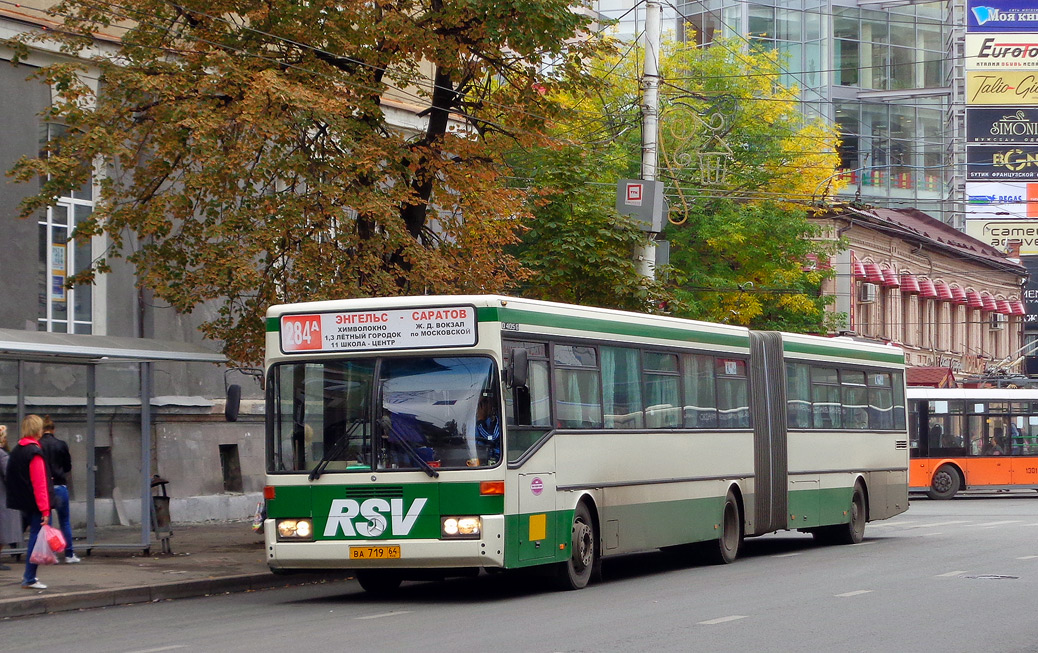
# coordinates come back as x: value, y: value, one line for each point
x: 295, y: 529
x: 460, y: 528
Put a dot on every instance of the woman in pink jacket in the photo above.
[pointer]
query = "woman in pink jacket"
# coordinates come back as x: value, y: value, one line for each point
x: 28, y: 489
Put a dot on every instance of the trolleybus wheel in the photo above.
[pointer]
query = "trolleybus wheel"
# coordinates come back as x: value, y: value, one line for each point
x: 945, y: 483
x: 575, y: 572
x: 378, y: 582
x: 729, y: 540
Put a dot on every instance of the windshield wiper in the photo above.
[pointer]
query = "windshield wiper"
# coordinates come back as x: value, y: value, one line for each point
x: 387, y: 426
x: 337, y: 448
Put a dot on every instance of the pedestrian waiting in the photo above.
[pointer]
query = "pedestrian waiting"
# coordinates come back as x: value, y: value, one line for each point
x: 10, y: 520
x: 59, y: 464
x: 29, y: 489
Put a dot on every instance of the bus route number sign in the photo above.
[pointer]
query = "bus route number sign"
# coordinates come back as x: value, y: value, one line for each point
x: 437, y: 326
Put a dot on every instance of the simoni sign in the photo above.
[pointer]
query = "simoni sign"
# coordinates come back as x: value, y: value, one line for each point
x: 1002, y: 125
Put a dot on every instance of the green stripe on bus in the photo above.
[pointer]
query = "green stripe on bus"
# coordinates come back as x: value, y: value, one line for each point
x: 273, y: 324
x: 615, y: 327
x: 836, y: 350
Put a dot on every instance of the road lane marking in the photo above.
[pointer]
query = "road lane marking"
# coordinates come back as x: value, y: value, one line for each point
x: 785, y: 555
x: 854, y: 593
x: 161, y: 648
x: 931, y: 534
x: 384, y: 614
x: 940, y: 523
x: 950, y: 574
x: 890, y: 523
x: 863, y: 543
x: 721, y: 620
x: 992, y: 524
x: 1027, y: 557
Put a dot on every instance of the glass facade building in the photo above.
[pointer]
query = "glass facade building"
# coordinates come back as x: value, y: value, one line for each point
x: 876, y: 70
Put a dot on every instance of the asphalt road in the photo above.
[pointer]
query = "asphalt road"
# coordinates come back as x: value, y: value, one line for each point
x: 946, y: 576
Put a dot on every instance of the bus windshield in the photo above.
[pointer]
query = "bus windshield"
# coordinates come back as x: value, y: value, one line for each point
x: 385, y: 414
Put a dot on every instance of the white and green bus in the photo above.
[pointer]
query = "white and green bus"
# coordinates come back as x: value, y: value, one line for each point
x: 418, y: 437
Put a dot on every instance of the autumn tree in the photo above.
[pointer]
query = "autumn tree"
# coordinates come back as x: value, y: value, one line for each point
x: 249, y: 157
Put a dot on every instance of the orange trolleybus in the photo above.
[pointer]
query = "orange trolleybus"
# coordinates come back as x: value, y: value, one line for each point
x: 972, y: 438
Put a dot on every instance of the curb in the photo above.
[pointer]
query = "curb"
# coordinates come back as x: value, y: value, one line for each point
x: 43, y: 603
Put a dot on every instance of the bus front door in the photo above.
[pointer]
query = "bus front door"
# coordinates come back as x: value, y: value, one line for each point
x: 537, y: 520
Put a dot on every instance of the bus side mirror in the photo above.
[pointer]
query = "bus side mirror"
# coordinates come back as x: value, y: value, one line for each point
x: 518, y: 368
x: 233, y: 403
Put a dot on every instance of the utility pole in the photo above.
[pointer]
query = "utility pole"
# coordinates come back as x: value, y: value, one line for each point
x: 650, y: 117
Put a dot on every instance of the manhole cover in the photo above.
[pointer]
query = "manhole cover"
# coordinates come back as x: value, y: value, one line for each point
x: 993, y: 577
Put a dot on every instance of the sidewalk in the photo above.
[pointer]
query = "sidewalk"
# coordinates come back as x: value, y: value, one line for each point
x: 208, y: 558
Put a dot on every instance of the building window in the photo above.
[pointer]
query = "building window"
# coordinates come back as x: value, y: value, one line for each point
x: 64, y: 310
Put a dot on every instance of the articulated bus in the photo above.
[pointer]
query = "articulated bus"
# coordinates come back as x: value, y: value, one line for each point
x: 426, y: 437
x: 973, y: 438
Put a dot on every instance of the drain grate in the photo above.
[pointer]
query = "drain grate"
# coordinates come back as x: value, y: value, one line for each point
x: 993, y: 577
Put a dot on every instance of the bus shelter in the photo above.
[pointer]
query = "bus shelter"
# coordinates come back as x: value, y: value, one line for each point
x: 20, y: 348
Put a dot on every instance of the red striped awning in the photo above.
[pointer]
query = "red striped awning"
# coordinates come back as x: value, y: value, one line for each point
x: 958, y: 294
x: 891, y: 278
x: 1004, y: 307
x: 926, y: 288
x: 1018, y: 308
x: 989, y: 302
x: 909, y: 283
x: 943, y: 291
x: 873, y: 273
x: 974, y: 300
x: 858, y: 268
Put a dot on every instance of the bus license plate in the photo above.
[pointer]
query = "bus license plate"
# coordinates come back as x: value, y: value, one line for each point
x: 374, y: 552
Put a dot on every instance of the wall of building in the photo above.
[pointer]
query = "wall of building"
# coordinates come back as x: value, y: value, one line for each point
x: 932, y: 332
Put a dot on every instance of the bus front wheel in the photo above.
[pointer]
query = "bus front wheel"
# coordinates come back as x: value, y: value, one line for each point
x: 945, y: 483
x: 576, y: 571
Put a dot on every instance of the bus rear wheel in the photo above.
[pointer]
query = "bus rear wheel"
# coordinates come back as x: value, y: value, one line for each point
x: 726, y: 549
x: 379, y: 582
x: 853, y: 532
x: 945, y: 483
x: 575, y: 572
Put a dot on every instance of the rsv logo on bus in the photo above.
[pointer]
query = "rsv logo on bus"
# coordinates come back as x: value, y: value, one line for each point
x: 371, y: 517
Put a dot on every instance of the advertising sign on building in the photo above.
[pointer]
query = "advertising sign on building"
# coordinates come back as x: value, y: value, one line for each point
x: 1001, y: 87
x: 1002, y: 162
x: 1031, y: 291
x: 1001, y: 200
x: 1002, y: 16
x: 1001, y: 51
x: 998, y: 233
x: 1002, y: 125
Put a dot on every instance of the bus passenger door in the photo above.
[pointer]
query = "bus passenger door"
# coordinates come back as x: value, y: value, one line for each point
x: 537, y: 527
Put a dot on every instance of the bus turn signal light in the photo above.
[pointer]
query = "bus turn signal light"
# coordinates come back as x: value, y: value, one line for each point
x: 268, y: 492
x: 491, y: 487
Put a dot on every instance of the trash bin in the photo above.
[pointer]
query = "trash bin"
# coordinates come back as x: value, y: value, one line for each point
x: 161, y: 524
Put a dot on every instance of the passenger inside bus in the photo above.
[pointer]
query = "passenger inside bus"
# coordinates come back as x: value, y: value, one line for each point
x: 992, y: 446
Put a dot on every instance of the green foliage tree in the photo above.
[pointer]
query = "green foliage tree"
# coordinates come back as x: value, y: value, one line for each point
x: 251, y: 160
x: 741, y: 164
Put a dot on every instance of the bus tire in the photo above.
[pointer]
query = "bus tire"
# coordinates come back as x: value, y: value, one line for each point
x: 852, y: 532
x: 945, y: 483
x: 379, y: 582
x: 575, y: 572
x: 725, y: 549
